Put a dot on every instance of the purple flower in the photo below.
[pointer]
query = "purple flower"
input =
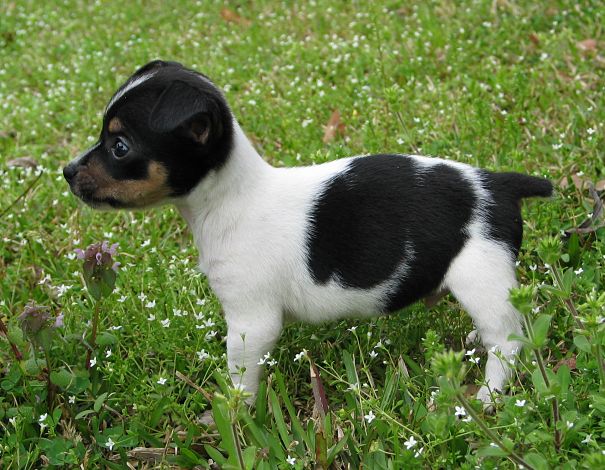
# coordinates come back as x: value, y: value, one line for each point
x: 34, y: 318
x: 59, y: 321
x: 99, y: 268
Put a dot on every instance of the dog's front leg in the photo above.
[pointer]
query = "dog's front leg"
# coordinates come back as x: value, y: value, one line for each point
x: 250, y: 336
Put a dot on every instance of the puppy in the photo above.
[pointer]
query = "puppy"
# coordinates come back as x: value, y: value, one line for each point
x: 355, y: 237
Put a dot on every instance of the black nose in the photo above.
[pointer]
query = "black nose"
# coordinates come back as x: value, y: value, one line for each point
x: 69, y: 172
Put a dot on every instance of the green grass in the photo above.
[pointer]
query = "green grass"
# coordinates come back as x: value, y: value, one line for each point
x: 502, y: 85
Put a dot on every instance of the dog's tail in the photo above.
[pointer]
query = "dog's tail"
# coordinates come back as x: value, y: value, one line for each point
x: 520, y: 186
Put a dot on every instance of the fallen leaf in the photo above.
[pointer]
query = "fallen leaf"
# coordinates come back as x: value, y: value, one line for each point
x: 564, y: 183
x: 587, y: 45
x: 23, y: 162
x: 333, y: 127
x: 319, y: 393
x: 533, y: 37
x: 578, y: 181
x: 232, y: 17
x: 569, y: 362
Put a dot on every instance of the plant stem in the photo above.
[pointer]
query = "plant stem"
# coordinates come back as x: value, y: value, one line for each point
x: 14, y: 347
x: 93, y: 336
x: 50, y: 397
x: 512, y: 455
x: 27, y: 190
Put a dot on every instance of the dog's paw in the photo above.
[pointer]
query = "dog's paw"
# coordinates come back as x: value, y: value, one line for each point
x: 489, y: 398
x: 472, y: 337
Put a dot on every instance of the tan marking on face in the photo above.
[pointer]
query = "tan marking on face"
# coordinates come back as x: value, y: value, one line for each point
x: 134, y: 193
x: 115, y: 125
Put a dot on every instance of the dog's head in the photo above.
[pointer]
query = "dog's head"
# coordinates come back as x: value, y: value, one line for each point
x: 163, y: 131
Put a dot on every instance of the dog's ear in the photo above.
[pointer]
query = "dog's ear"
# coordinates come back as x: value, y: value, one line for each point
x: 187, y: 108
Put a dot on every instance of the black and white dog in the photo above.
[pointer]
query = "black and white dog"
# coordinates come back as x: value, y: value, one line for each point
x: 358, y: 236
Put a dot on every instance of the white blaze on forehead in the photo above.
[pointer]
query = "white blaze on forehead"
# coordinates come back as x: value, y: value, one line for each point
x: 129, y: 86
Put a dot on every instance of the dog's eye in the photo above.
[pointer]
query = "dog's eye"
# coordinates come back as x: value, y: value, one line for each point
x: 119, y: 149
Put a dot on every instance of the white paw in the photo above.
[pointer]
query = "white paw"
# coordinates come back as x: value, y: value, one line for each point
x: 488, y: 397
x: 471, y: 337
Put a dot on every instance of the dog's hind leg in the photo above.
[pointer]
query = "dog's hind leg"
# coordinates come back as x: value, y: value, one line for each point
x: 480, y: 277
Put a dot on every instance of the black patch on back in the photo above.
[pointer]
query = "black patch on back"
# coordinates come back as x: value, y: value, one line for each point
x: 362, y: 222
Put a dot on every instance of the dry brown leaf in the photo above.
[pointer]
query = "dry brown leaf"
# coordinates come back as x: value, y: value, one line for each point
x: 564, y: 183
x: 23, y: 162
x: 232, y: 17
x: 578, y: 181
x: 533, y: 37
x: 587, y: 45
x: 333, y: 127
x: 569, y: 362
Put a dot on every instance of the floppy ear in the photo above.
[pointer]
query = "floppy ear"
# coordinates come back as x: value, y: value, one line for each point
x: 182, y: 105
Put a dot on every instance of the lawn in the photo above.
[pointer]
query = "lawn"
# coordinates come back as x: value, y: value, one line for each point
x: 509, y: 86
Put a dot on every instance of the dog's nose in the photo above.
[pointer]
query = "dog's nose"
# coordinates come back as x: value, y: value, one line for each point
x: 69, y: 172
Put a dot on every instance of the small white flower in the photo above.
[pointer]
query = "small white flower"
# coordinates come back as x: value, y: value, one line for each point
x: 579, y: 271
x: 533, y: 267
x: 122, y: 299
x: 475, y: 360
x: 370, y: 417
x: 210, y: 335
x: 93, y: 362
x: 108, y: 353
x: 493, y: 444
x: 520, y: 403
x: 495, y: 348
x: 300, y: 355
x: 177, y: 312
x: 198, y: 316
x: 142, y: 296
x: 165, y: 323
x: 151, y: 317
x: 418, y: 452
x: 291, y: 460
x: 162, y: 381
x: 264, y: 359
x: 240, y: 387
x: 150, y: 304
x: 202, y: 355
x: 373, y: 354
x: 590, y: 131
x: 587, y: 439
x: 400, y: 141
x: 411, y: 442
x: 468, y: 419
x: 72, y: 399
x: 146, y: 243
x: 569, y: 424
x: 43, y: 417
x: 109, y: 444
x: 353, y: 328
x: 116, y: 327
x: 460, y: 411
x: 470, y: 353
x: 200, y: 302
x: 13, y: 421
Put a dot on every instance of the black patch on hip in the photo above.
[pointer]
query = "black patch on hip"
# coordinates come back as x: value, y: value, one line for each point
x: 361, y: 224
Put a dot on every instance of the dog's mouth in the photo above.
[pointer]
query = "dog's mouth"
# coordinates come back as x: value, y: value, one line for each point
x: 91, y: 200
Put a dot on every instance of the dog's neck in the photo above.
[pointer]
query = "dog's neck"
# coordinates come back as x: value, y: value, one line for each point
x: 243, y: 169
